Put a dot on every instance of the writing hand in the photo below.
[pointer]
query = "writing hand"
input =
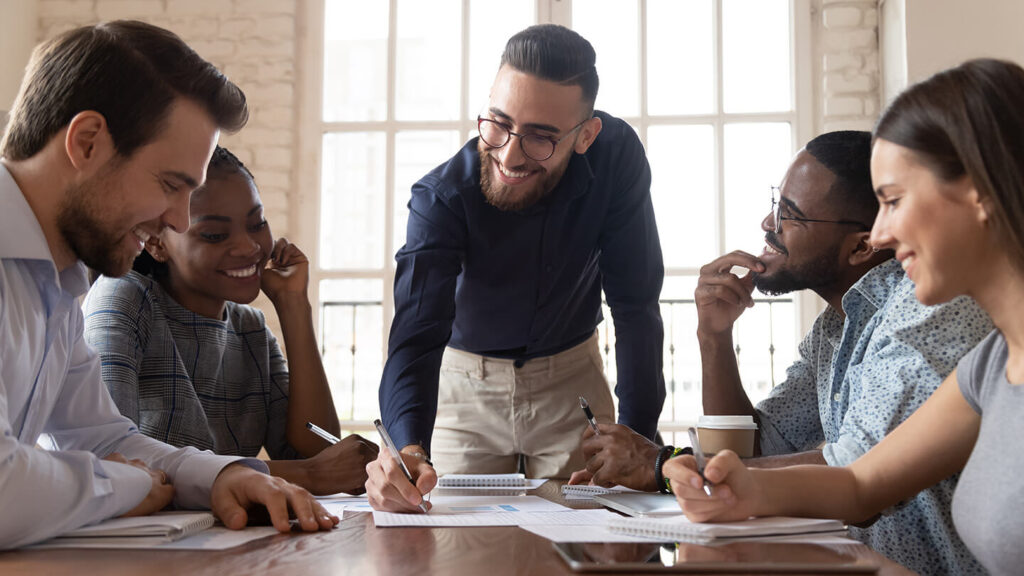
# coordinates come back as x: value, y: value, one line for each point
x: 735, y: 496
x: 619, y: 456
x: 388, y: 489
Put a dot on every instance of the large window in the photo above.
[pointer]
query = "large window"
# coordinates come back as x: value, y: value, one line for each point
x: 711, y: 87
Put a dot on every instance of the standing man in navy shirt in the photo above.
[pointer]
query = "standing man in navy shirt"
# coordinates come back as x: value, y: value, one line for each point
x: 498, y: 287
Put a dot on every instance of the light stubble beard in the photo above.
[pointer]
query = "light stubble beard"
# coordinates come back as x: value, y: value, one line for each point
x: 80, y: 225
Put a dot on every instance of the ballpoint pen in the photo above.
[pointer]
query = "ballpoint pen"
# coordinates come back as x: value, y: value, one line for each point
x: 699, y: 455
x: 589, y: 415
x: 322, y: 433
x: 386, y: 439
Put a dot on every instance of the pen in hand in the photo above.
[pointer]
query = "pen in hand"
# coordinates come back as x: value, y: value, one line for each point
x: 322, y: 433
x: 589, y: 415
x: 698, y: 454
x: 386, y: 439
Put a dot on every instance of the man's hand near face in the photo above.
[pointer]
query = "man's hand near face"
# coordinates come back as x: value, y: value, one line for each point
x: 617, y: 456
x: 722, y: 296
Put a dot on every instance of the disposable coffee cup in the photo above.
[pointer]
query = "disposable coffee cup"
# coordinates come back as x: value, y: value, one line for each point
x: 736, y: 433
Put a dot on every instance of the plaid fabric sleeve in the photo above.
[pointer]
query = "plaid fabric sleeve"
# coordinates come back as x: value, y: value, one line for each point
x: 276, y: 441
x: 118, y: 314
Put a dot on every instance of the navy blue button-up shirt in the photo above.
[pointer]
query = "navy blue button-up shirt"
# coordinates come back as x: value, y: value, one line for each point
x: 528, y: 284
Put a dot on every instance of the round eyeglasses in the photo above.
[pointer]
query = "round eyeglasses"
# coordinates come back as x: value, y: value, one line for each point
x: 536, y: 147
x: 777, y: 216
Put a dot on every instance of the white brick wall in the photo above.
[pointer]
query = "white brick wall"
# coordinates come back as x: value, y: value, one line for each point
x: 253, y: 42
x: 847, y: 75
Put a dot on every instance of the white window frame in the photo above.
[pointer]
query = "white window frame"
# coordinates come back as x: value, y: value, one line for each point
x: 305, y: 215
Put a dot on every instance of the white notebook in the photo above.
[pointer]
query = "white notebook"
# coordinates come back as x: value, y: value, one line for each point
x: 153, y: 529
x: 676, y: 528
x: 485, y: 480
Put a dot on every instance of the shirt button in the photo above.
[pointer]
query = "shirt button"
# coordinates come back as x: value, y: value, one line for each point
x: 836, y: 397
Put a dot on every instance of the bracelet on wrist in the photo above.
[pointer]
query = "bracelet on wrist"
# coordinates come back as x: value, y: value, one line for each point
x: 659, y: 461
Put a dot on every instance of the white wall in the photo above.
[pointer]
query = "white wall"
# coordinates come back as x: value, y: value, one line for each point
x: 17, y: 38
x: 942, y: 33
x: 254, y: 42
x: 847, y: 67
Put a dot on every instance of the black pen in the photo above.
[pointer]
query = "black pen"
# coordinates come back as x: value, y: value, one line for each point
x: 699, y: 455
x: 589, y: 415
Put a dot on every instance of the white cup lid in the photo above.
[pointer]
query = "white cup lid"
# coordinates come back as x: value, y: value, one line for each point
x: 722, y: 422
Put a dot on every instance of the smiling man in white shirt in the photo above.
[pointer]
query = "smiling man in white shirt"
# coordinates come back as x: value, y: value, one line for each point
x: 110, y: 133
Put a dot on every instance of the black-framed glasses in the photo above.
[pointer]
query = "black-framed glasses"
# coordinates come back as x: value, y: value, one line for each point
x: 777, y: 216
x: 537, y: 147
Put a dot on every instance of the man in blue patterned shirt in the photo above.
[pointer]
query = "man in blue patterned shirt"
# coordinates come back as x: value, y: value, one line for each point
x: 872, y: 357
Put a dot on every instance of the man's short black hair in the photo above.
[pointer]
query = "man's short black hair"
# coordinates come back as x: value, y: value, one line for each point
x: 847, y: 154
x: 556, y: 54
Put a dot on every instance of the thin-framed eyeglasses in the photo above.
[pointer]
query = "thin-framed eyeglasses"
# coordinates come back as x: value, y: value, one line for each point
x: 536, y: 147
x: 777, y: 216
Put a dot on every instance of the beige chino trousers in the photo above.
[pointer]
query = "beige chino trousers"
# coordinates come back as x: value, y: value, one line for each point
x: 490, y: 411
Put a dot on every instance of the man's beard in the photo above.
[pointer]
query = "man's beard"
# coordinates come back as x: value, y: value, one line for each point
x: 505, y: 197
x: 821, y: 271
x: 79, y: 223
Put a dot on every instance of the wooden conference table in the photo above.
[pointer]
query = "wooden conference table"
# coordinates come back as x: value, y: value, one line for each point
x: 356, y: 547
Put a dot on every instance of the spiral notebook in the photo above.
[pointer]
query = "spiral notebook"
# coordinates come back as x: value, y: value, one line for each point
x: 587, y: 491
x: 679, y: 528
x: 483, y: 480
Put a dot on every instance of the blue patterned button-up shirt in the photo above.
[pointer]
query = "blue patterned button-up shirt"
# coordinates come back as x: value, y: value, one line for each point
x: 856, y: 380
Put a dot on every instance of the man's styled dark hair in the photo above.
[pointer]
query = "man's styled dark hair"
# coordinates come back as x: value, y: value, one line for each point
x: 556, y: 54
x: 128, y: 71
x: 847, y: 154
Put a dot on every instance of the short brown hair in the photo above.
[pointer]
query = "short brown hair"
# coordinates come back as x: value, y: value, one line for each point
x: 128, y: 71
x: 968, y: 121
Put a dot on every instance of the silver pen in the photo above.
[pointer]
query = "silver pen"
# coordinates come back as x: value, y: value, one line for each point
x: 590, y: 415
x: 322, y: 433
x: 698, y: 454
x: 386, y: 439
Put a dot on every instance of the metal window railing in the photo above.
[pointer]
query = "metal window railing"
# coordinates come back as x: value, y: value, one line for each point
x: 353, y: 370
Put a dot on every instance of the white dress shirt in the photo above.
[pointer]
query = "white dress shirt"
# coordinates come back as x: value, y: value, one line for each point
x: 50, y: 383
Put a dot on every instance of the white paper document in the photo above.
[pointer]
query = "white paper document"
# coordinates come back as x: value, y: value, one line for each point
x: 489, y: 511
x: 338, y: 504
